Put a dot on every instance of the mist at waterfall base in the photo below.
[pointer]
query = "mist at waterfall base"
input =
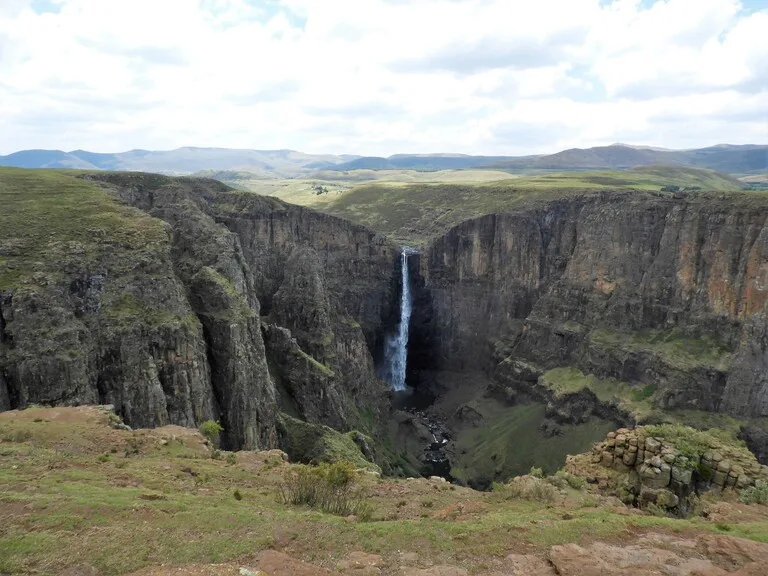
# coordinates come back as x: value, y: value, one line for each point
x: 396, y: 347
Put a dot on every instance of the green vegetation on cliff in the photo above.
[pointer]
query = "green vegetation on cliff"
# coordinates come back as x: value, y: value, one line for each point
x: 47, y: 215
x: 55, y: 225
x: 315, y: 443
x: 633, y: 399
x: 673, y: 346
x: 510, y: 441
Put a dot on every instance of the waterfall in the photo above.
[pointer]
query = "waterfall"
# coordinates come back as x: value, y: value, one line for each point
x: 397, y: 344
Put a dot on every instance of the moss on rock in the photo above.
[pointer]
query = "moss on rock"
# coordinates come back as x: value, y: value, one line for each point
x: 315, y: 443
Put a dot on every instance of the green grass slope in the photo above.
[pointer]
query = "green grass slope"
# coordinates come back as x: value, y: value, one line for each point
x: 641, y: 178
x: 51, y: 219
x: 413, y: 211
x: 73, y: 491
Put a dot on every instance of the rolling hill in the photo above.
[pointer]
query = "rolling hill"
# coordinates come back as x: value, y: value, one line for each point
x: 723, y: 158
x: 730, y: 159
x: 262, y: 163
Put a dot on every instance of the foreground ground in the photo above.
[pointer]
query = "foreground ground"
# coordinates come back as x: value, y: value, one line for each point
x: 78, y: 495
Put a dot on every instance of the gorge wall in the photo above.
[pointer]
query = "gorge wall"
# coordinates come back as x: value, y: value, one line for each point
x: 640, y: 287
x: 223, y: 305
x: 190, y: 301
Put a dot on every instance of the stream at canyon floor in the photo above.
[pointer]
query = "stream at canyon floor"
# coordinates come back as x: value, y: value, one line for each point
x: 459, y: 429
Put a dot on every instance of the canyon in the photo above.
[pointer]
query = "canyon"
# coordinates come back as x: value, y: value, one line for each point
x: 550, y: 323
x: 643, y: 292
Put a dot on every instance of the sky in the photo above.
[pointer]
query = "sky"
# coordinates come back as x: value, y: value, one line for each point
x: 379, y: 77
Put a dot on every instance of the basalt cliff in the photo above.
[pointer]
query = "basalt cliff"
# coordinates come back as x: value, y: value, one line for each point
x: 664, y: 293
x: 193, y: 301
x: 221, y: 305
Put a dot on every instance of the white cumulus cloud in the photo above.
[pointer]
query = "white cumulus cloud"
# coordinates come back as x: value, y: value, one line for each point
x: 382, y: 76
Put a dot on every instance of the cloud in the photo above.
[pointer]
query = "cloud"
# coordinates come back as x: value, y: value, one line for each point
x: 515, y: 53
x: 378, y: 77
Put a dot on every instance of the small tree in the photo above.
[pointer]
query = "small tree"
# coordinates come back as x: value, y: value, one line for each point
x: 211, y: 430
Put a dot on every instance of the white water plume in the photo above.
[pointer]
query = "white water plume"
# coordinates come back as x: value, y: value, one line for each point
x: 397, y: 344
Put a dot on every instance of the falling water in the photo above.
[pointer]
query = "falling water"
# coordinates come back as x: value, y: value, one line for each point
x: 397, y: 344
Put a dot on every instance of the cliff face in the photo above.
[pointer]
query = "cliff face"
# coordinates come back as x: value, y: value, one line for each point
x: 642, y: 288
x: 106, y: 320
x: 172, y: 331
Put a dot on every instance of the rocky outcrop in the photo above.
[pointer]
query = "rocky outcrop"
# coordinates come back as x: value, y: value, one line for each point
x: 170, y: 330
x: 650, y: 554
x: 641, y: 287
x: 666, y: 471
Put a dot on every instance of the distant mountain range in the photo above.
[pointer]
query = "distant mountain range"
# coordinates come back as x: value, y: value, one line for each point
x: 266, y: 163
x: 745, y: 159
x: 723, y: 158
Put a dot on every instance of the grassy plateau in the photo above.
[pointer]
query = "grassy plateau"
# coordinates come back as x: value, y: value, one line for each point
x: 73, y: 491
x: 413, y: 206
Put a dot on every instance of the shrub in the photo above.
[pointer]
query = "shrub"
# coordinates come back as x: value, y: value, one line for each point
x: 526, y: 488
x: 272, y: 462
x: 364, y: 511
x: 562, y: 479
x: 655, y: 510
x: 103, y: 458
x: 231, y: 459
x: 211, y: 430
x: 757, y: 494
x: 705, y: 472
x: 723, y: 526
x: 543, y: 492
x: 330, y: 487
x: 17, y: 436
x: 536, y: 472
x: 134, y: 446
x: 237, y: 495
x: 692, y: 506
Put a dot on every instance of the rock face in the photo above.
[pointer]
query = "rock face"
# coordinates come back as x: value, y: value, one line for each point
x: 644, y: 288
x: 172, y: 333
x: 653, y: 554
x: 657, y: 471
